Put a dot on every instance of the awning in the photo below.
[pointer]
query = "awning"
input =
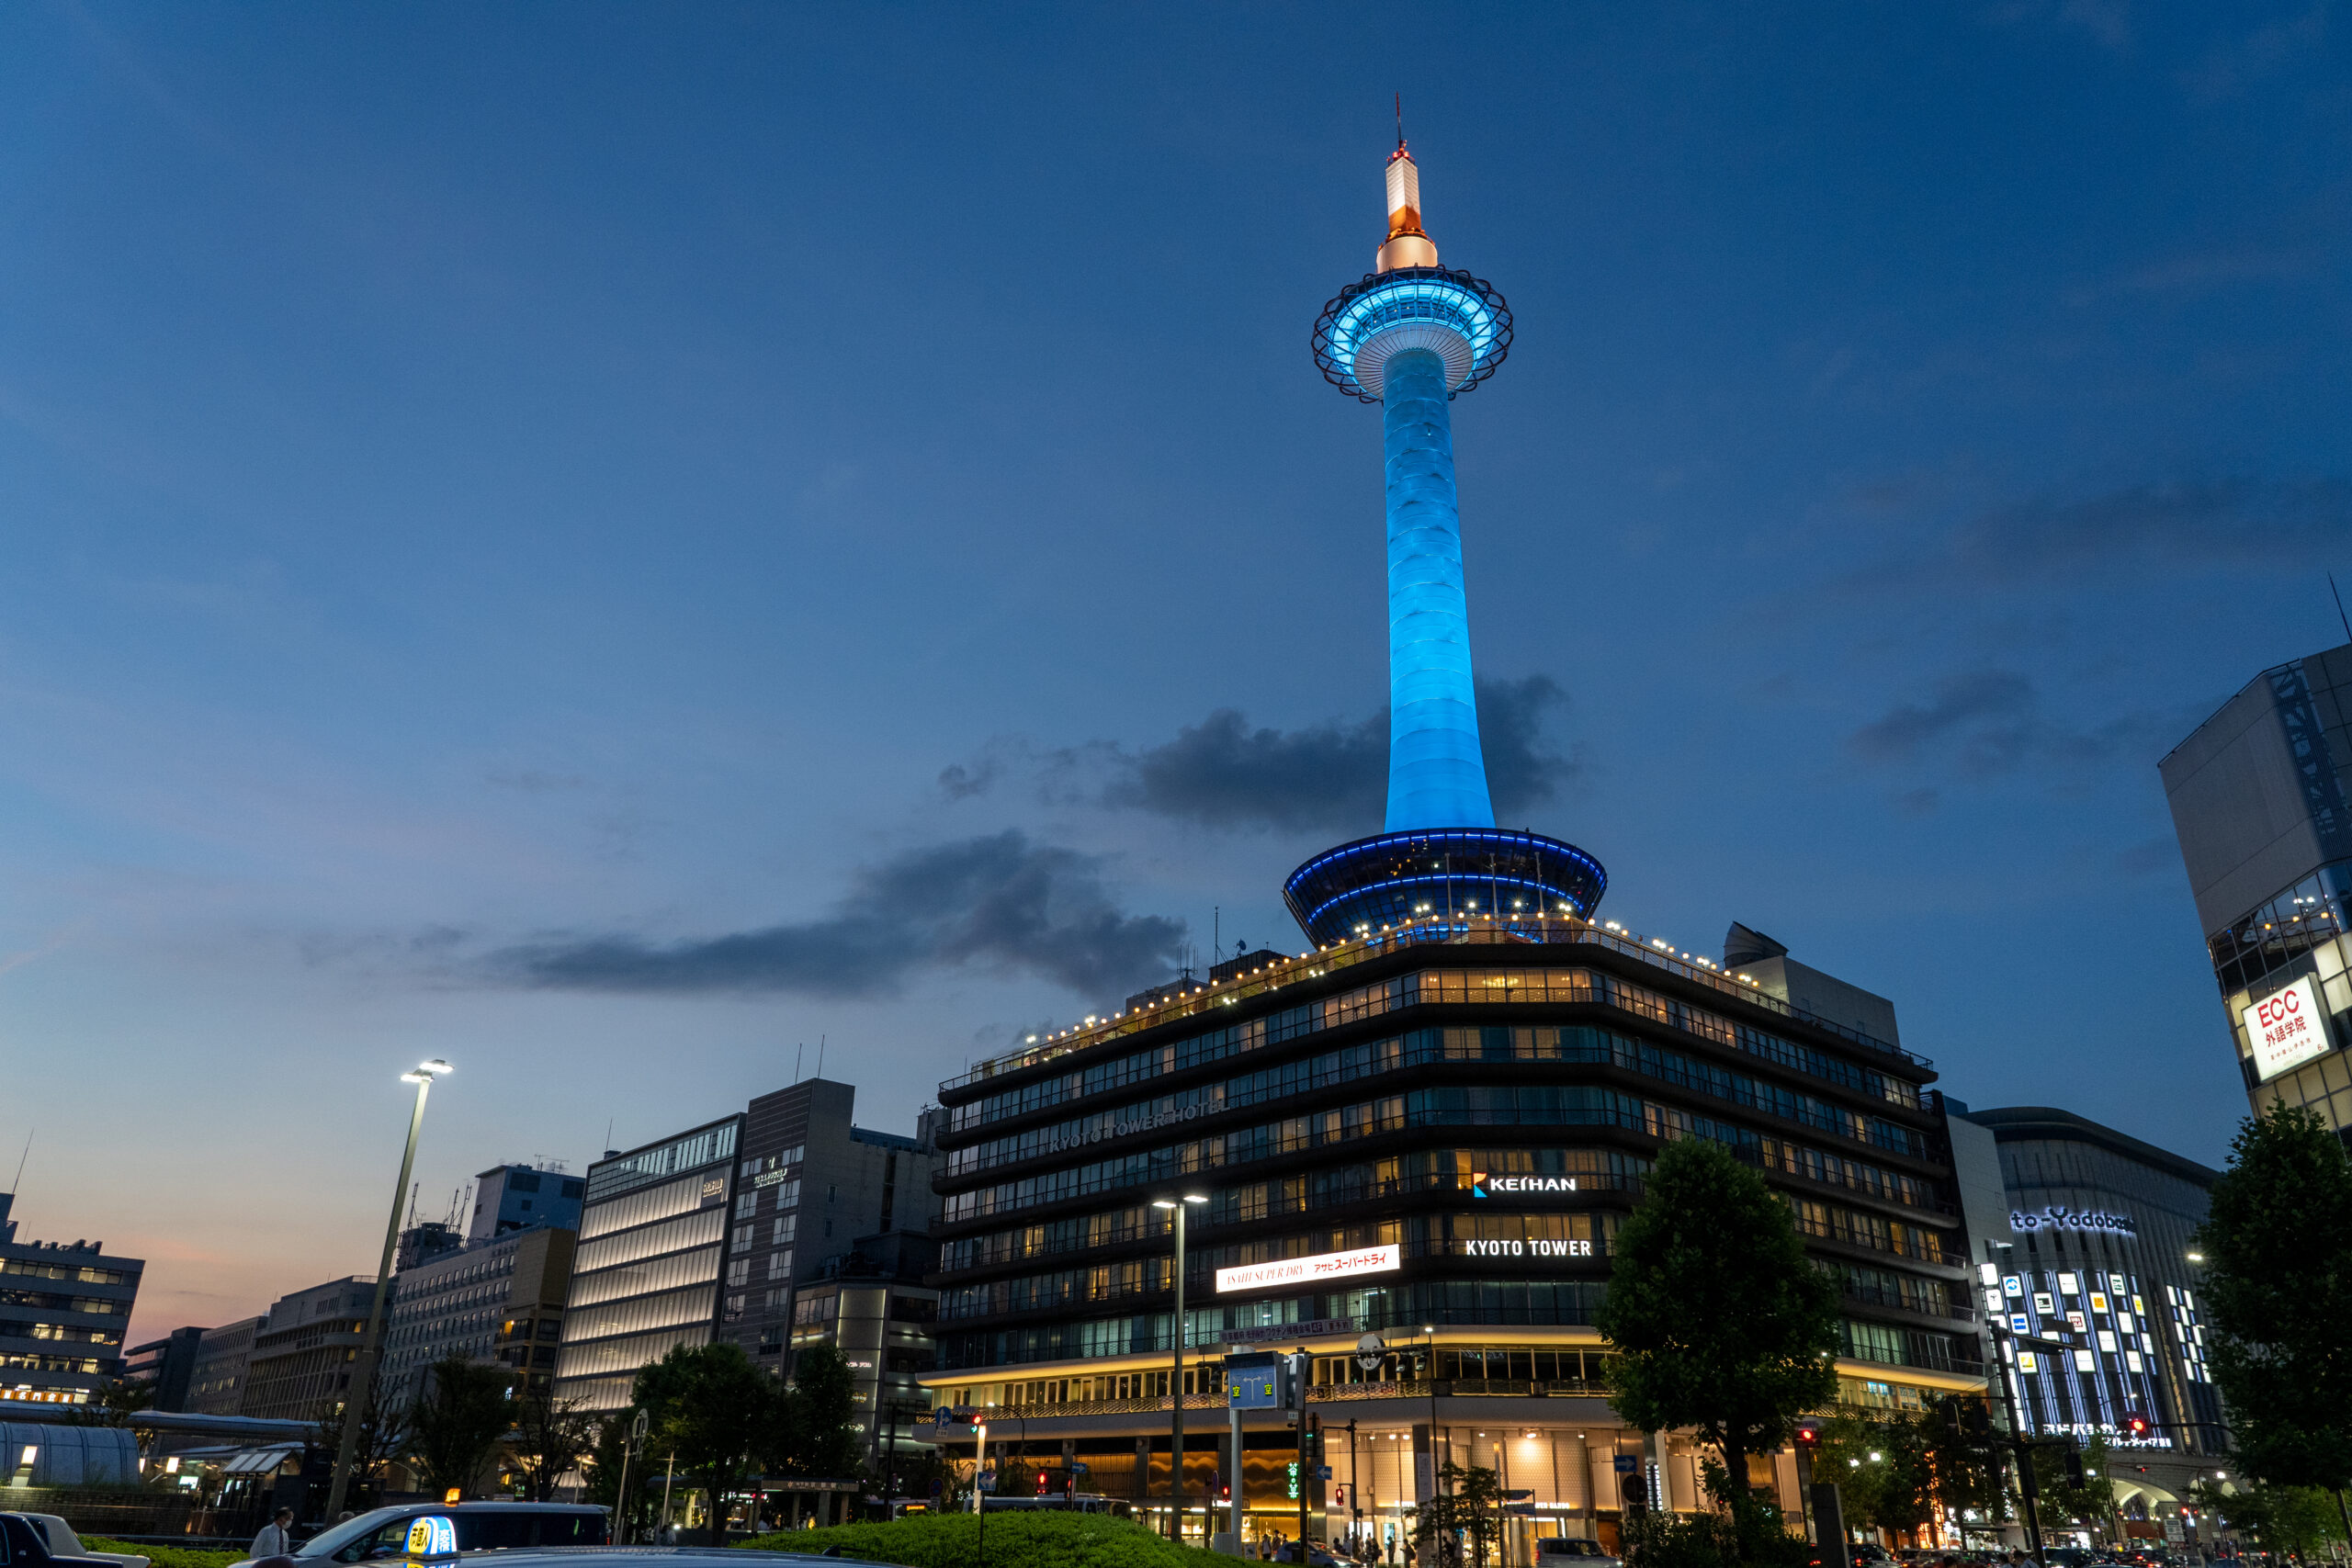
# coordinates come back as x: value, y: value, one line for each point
x: 259, y: 1461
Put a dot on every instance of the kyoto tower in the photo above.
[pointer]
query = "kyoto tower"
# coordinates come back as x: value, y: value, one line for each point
x: 1412, y: 336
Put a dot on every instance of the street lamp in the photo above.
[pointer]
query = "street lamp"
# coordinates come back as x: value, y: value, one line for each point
x: 1176, y: 1376
x: 363, y: 1374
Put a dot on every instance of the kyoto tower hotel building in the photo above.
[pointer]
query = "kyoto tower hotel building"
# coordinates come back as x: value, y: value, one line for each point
x: 1405, y: 1150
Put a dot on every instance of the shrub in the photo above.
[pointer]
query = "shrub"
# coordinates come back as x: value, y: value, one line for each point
x: 1043, y: 1539
x: 166, y: 1556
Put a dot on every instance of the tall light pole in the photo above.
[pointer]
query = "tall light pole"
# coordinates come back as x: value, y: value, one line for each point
x: 363, y: 1374
x: 1176, y: 1376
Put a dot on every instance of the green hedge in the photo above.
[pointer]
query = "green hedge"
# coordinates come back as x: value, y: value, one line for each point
x: 1043, y: 1539
x: 166, y: 1556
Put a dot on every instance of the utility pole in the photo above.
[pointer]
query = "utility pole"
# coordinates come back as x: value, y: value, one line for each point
x: 1176, y: 1375
x: 2029, y: 1487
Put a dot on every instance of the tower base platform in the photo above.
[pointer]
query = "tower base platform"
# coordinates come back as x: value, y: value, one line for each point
x: 1466, y: 874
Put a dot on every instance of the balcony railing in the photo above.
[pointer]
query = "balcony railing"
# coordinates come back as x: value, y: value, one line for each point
x: 1210, y: 999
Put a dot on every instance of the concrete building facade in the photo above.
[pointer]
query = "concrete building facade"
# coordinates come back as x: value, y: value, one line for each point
x: 301, y: 1364
x: 64, y: 1307
x: 498, y: 1301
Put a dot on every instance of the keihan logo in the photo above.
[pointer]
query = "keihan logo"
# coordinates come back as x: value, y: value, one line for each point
x: 1478, y: 1184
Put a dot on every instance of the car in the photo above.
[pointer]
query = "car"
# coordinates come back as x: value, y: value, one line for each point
x: 63, y: 1543
x: 1571, y: 1552
x: 23, y: 1541
x: 480, y: 1527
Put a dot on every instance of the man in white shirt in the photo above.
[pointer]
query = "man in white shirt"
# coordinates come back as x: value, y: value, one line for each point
x: 276, y: 1538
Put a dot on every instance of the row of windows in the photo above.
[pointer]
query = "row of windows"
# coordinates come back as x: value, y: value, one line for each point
x: 1575, y: 1043
x: 782, y: 1230
x: 787, y: 1195
x: 628, y: 1355
x: 1881, y: 1287
x: 641, y: 1208
x: 51, y: 1363
x: 1900, y: 1347
x: 1534, y: 1106
x: 669, y: 1235
x: 1873, y: 1231
x: 24, y: 1328
x: 78, y: 1273
x: 51, y: 1302
x: 666, y: 1159
x: 1449, y: 1170
x: 642, y: 1312
x: 1569, y: 1303
x: 1442, y: 987
x: 642, y: 1279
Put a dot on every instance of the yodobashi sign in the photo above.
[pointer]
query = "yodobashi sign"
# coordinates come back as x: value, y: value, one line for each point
x: 2286, y: 1029
x: 1322, y: 1266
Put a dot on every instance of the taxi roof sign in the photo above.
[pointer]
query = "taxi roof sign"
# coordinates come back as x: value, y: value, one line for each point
x: 432, y: 1538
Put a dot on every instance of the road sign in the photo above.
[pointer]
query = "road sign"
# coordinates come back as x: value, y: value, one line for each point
x: 1628, y: 1463
x: 1254, y: 1382
x: 1322, y: 1473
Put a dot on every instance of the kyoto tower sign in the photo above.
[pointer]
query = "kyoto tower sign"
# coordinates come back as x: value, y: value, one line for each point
x: 1412, y: 336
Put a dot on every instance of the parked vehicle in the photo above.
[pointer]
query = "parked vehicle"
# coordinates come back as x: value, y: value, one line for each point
x: 1571, y: 1552
x: 63, y: 1543
x: 481, y: 1526
x: 25, y: 1544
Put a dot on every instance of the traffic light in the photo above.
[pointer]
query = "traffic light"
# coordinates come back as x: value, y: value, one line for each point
x: 2137, y: 1426
x: 1808, y: 1436
x: 2074, y: 1467
x: 1314, y: 1438
x: 1044, y: 1475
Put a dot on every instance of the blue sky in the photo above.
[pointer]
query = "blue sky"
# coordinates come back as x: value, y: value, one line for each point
x: 606, y: 542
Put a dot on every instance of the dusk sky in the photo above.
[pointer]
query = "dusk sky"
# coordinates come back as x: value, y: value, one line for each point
x: 605, y: 543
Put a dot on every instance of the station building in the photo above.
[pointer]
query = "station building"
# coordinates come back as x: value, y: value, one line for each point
x: 1428, y: 1135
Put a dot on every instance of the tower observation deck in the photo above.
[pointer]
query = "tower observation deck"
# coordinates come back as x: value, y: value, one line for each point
x: 1412, y: 336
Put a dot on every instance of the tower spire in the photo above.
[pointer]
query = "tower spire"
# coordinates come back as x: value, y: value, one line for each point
x: 1406, y: 245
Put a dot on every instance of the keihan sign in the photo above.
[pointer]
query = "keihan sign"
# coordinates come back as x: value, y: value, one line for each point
x: 1323, y: 1265
x: 1485, y: 1186
x: 2286, y: 1029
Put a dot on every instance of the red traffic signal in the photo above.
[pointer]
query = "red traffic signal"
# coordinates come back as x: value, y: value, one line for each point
x: 1043, y: 1477
x: 2136, y: 1425
x: 1808, y: 1434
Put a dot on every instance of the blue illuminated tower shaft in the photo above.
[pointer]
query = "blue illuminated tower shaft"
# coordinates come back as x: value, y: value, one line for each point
x: 1437, y: 775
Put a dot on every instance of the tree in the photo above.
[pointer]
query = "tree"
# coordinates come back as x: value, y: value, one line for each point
x: 383, y: 1438
x: 604, y: 1467
x: 723, y: 1417
x: 114, y: 1402
x: 823, y: 1421
x: 1464, y: 1509
x: 551, y: 1436
x: 1882, y: 1464
x: 455, y: 1427
x: 2091, y: 1505
x: 1965, y: 1457
x: 2278, y: 1297
x: 2283, y: 1518
x: 1719, y: 1320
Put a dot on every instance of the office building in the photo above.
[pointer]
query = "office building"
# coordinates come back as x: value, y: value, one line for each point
x: 652, y: 1246
x: 166, y: 1365
x: 215, y: 1386
x: 63, y: 1308
x: 872, y: 1305
x: 812, y: 1181
x: 498, y: 1301
x: 706, y: 1234
x: 516, y: 1196
x: 1408, y: 1149
x: 2258, y: 797
x: 299, y: 1365
x: 2097, y: 1276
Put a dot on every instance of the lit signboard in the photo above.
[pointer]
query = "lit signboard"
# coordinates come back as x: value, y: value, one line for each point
x: 1485, y: 1186
x: 2058, y: 1217
x: 2287, y: 1029
x: 1322, y: 1266
x: 431, y: 1536
x: 1530, y: 1247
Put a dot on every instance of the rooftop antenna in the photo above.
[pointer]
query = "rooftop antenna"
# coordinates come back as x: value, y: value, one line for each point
x: 608, y: 1133
x: 18, y: 1185
x: 2339, y: 607
x: 1401, y: 122
x: 412, y: 1190
x: 821, y: 1056
x: 797, y: 1051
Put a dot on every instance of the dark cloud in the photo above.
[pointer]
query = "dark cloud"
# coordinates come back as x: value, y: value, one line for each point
x: 2188, y: 524
x: 1989, y: 723
x: 1000, y: 902
x: 1223, y: 773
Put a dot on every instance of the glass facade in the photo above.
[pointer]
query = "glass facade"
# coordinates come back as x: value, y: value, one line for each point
x: 1487, y: 1107
x: 2100, y: 1273
x: 645, y: 1276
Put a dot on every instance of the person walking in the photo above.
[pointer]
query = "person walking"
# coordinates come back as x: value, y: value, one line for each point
x: 276, y: 1538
